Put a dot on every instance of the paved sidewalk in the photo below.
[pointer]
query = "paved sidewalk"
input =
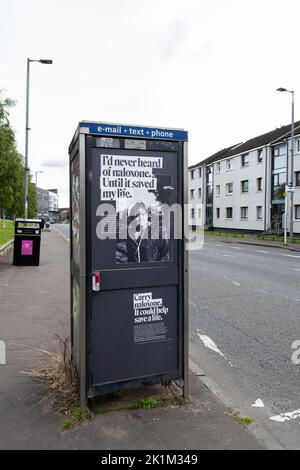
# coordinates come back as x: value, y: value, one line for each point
x: 34, y: 306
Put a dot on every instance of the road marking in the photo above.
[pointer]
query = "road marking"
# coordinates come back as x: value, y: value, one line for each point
x: 208, y: 342
x: 262, y: 251
x: 290, y: 256
x: 236, y: 248
x: 286, y: 416
x: 192, y: 303
x: 258, y: 404
x: 229, y: 256
x: 262, y: 291
x: 296, y: 269
x: 236, y: 283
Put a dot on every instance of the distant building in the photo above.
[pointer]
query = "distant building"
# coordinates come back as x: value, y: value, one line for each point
x: 242, y: 188
x: 64, y: 213
x: 48, y: 203
x: 42, y: 202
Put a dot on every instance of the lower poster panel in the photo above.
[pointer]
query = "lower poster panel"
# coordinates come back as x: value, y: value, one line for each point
x: 135, y: 333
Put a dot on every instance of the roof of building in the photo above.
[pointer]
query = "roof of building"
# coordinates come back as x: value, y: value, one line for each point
x: 272, y: 137
x: 216, y: 156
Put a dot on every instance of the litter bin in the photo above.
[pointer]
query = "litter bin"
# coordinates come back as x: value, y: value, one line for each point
x: 27, y: 241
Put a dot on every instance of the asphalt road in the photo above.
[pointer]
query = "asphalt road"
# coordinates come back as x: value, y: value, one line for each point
x: 246, y: 299
x: 64, y: 228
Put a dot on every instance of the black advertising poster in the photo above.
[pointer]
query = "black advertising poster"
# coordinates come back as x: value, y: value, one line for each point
x: 135, y: 319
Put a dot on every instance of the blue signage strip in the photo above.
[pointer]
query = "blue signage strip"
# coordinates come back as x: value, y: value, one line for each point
x: 134, y: 132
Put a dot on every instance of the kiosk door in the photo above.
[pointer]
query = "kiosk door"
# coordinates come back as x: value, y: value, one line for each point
x: 135, y: 310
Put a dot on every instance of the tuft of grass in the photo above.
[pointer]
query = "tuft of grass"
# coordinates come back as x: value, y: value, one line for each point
x: 143, y: 403
x: 242, y: 419
x: 76, y: 417
x: 59, y: 373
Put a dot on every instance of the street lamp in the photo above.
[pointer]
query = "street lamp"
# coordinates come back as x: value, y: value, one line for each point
x: 27, y: 129
x: 291, y: 180
x: 36, y: 173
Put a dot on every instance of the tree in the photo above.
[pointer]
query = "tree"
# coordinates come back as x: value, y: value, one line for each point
x: 32, y: 199
x: 11, y: 168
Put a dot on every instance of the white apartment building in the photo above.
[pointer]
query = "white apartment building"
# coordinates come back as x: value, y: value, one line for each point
x: 242, y: 188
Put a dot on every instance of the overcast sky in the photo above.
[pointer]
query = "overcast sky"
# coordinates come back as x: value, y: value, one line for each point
x: 210, y: 67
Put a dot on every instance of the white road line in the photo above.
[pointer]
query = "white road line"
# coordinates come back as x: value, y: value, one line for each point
x: 290, y: 256
x: 262, y: 291
x: 286, y: 416
x: 261, y: 251
x: 219, y: 245
x: 296, y: 269
x: 258, y: 404
x: 192, y: 303
x: 208, y: 343
x: 236, y: 283
x: 236, y: 248
x: 229, y: 256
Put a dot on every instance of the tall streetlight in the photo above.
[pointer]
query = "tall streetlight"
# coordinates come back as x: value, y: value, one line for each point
x: 291, y: 179
x: 27, y: 129
x: 36, y: 173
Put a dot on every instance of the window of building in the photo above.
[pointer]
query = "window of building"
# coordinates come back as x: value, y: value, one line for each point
x: 218, y: 167
x: 229, y: 165
x: 200, y: 213
x: 259, y: 212
x: 192, y: 174
x: 244, y: 186
x: 200, y: 172
x: 228, y: 212
x: 209, y: 194
x: 192, y: 213
x: 259, y: 156
x: 218, y: 190
x: 278, y: 189
x: 297, y: 178
x: 245, y: 159
x: 244, y: 212
x: 209, y: 174
x: 298, y: 145
x: 217, y: 212
x: 199, y: 193
x: 259, y: 184
x: 229, y: 188
x: 192, y: 193
x: 279, y: 179
x: 280, y: 150
x: 279, y: 159
x: 297, y: 212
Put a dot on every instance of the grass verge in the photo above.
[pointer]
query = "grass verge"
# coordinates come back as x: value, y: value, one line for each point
x: 7, y: 233
x: 274, y: 238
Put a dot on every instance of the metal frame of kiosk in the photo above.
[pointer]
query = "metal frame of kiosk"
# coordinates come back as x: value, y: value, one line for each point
x: 129, y: 315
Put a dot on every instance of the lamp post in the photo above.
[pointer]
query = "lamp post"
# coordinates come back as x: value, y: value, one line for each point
x: 289, y: 187
x: 27, y: 129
